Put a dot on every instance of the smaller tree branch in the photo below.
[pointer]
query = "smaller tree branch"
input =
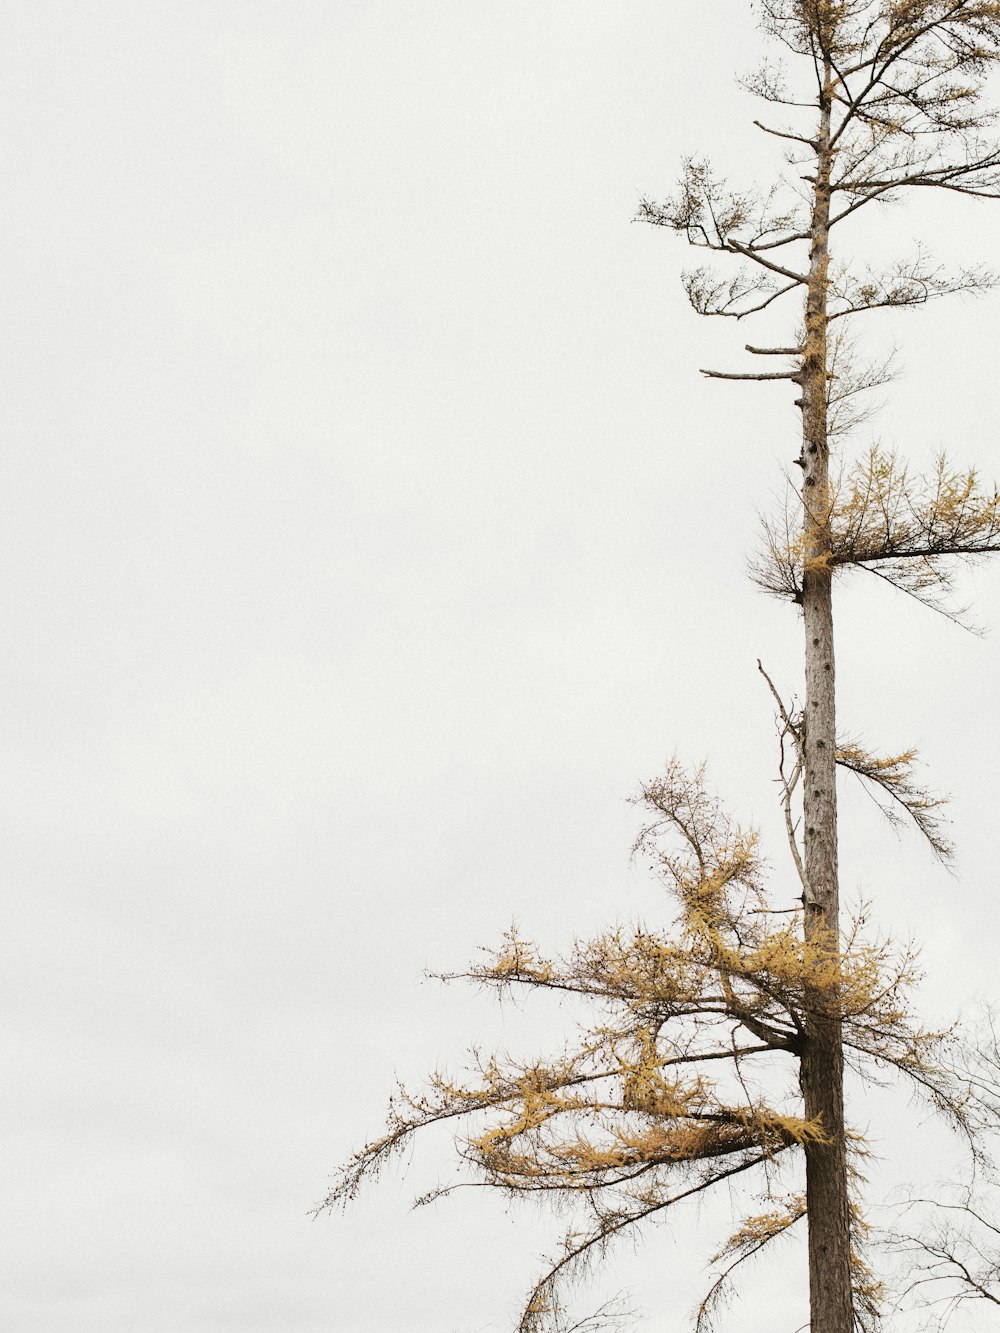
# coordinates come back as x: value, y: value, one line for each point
x: 786, y: 134
x: 750, y: 252
x: 794, y: 375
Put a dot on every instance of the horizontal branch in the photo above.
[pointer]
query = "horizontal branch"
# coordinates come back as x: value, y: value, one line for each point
x: 786, y: 134
x: 794, y: 375
x: 948, y: 176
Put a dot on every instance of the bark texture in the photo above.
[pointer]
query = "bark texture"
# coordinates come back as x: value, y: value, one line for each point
x: 822, y: 1064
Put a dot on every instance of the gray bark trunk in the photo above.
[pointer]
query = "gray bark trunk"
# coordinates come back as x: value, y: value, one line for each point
x: 822, y: 1063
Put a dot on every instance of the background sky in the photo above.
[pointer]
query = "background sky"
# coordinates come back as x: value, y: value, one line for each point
x: 368, y: 535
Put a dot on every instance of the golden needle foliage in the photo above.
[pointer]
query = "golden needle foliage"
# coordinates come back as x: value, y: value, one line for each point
x: 663, y: 1093
x: 907, y: 529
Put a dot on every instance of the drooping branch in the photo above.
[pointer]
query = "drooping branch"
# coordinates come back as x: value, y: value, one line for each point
x: 544, y: 1305
x: 753, y: 1235
x: 893, y: 777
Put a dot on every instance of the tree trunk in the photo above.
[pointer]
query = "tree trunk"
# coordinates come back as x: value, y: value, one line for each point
x: 822, y: 1062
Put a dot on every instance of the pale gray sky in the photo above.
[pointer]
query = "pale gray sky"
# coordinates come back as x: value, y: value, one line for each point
x: 368, y: 534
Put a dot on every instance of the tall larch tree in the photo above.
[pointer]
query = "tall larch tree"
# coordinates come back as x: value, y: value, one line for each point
x: 713, y: 1052
x: 895, y: 105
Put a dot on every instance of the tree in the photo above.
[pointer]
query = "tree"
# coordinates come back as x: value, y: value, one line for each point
x: 895, y: 104
x: 633, y: 1120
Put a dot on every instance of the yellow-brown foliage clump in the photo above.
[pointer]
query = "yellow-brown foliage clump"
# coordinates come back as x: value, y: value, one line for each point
x: 685, y: 1072
x: 907, y: 530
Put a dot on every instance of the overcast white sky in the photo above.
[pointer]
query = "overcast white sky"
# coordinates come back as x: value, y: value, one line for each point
x: 368, y: 535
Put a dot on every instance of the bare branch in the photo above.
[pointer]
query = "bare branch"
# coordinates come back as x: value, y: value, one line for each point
x: 792, y: 729
x: 793, y: 375
x: 786, y: 134
x: 753, y: 252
